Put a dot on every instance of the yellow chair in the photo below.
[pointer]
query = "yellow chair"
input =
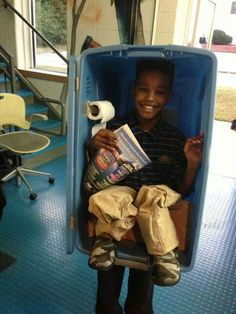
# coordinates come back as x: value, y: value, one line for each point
x: 20, y: 141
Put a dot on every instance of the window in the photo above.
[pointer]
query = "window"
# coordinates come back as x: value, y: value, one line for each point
x: 49, y: 18
x: 233, y: 7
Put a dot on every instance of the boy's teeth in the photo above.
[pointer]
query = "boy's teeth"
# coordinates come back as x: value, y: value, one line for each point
x: 148, y: 107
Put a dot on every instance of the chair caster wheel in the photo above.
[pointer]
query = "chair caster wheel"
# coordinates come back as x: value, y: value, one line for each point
x: 33, y: 196
x: 51, y: 180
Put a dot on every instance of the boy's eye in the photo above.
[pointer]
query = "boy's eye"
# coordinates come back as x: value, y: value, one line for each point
x: 142, y: 89
x: 160, y: 92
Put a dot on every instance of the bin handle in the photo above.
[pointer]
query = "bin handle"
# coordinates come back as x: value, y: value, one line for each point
x: 153, y: 54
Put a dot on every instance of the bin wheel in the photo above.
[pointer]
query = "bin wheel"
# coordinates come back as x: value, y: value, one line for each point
x: 51, y: 180
x: 33, y: 196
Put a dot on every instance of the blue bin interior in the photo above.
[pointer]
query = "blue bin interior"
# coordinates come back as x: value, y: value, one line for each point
x: 108, y: 74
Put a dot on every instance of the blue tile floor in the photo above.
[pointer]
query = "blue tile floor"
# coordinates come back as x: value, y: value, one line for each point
x: 44, y: 279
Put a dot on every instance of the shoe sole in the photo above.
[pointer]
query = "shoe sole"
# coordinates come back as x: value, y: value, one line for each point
x: 100, y: 268
x: 164, y: 284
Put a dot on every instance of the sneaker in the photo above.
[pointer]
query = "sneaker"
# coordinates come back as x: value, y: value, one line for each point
x: 103, y: 254
x: 166, y: 269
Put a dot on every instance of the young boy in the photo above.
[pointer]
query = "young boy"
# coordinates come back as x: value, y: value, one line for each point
x: 146, y: 195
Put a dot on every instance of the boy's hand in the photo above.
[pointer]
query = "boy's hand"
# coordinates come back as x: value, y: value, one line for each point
x: 103, y: 139
x: 193, y: 150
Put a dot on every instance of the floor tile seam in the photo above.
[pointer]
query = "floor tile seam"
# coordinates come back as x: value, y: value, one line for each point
x: 222, y: 175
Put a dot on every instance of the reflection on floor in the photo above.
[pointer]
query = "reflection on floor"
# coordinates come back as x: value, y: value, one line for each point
x: 43, y: 279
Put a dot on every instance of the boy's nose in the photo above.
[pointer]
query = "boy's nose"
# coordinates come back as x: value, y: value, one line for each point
x: 150, y: 95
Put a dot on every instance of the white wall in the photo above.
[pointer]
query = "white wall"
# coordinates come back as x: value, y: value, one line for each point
x: 165, y: 22
x: 23, y: 35
x: 173, y: 21
x: 7, y: 31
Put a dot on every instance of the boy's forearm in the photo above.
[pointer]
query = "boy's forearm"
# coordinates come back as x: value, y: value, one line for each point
x: 188, y: 180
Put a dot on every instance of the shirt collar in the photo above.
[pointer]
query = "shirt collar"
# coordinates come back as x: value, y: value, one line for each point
x: 133, y: 121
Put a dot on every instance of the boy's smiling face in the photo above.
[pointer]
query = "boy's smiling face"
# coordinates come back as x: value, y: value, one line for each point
x: 151, y: 92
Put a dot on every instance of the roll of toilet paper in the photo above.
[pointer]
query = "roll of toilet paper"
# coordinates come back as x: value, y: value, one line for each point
x: 102, y: 110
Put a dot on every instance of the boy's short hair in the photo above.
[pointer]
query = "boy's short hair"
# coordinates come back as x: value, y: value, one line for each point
x: 159, y: 65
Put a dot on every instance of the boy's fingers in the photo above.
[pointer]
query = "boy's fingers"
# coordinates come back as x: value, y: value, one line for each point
x: 106, y: 133
x: 196, y: 139
x: 105, y: 139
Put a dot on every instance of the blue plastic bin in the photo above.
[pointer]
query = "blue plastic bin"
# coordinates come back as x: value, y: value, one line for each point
x: 107, y: 73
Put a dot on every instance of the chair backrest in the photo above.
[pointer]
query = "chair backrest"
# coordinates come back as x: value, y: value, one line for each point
x: 12, y: 111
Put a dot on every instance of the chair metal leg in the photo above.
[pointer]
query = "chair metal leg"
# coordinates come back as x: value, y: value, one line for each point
x: 20, y: 173
x: 10, y: 175
x: 34, y: 172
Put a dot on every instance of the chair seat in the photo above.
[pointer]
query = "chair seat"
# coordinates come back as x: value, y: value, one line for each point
x: 24, y: 142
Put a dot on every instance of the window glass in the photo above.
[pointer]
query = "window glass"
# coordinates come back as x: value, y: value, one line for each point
x: 233, y: 7
x: 49, y: 18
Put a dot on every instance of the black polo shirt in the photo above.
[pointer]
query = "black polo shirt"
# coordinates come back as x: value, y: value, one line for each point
x: 164, y: 146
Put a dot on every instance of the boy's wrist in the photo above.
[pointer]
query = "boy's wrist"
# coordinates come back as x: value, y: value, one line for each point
x: 193, y: 166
